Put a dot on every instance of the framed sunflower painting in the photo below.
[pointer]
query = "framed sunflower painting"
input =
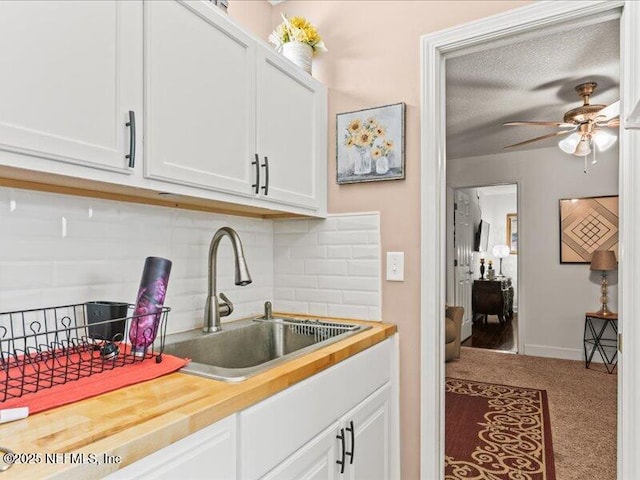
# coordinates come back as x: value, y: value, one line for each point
x: 370, y: 144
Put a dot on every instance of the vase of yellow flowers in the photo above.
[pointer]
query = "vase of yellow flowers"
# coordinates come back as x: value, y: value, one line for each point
x: 372, y: 147
x: 298, y: 41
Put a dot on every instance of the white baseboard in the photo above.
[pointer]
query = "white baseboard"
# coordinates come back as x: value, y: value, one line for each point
x: 562, y: 353
x: 554, y: 352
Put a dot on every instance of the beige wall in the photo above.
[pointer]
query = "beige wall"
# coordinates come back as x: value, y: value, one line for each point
x: 374, y: 60
x: 254, y: 15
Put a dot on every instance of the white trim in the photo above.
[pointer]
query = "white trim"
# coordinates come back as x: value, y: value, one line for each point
x: 434, y: 49
x: 556, y: 352
x: 629, y: 304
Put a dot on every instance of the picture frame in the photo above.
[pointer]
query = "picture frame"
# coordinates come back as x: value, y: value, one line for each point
x: 586, y: 225
x: 512, y: 232
x: 370, y: 144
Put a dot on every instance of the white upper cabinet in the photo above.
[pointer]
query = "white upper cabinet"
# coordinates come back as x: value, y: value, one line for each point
x: 70, y: 76
x: 208, y: 99
x: 199, y: 98
x: 292, y: 131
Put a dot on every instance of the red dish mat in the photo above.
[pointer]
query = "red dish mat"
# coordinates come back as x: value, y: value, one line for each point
x: 96, y: 384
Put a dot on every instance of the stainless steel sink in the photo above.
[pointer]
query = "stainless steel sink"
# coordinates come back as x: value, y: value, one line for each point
x: 248, y: 347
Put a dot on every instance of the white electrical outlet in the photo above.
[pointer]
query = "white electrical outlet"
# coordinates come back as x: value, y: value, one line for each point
x: 395, y: 266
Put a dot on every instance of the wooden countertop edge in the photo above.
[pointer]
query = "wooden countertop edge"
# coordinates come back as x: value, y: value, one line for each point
x: 207, y: 402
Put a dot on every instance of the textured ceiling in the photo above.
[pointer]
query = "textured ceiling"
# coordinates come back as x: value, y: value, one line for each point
x: 531, y: 80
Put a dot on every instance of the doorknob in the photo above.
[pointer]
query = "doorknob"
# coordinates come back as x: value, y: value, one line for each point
x: 470, y: 272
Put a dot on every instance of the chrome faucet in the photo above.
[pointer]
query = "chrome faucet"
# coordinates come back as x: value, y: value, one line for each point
x: 214, y: 308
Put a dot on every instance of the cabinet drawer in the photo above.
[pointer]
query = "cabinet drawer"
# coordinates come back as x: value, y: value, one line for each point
x: 275, y: 428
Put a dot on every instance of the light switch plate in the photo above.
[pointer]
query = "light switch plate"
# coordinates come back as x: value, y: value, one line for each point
x: 395, y: 266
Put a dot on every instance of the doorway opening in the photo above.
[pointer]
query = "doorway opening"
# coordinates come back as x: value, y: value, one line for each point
x: 482, y: 259
x: 436, y: 49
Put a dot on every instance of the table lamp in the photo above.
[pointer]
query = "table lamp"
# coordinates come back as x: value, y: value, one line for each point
x: 501, y: 251
x: 604, y: 261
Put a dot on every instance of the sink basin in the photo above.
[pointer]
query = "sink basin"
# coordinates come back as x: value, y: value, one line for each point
x: 248, y: 347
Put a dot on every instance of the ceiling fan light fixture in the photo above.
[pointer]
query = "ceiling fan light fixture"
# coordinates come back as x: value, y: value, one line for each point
x: 604, y: 140
x: 570, y: 143
x: 583, y: 149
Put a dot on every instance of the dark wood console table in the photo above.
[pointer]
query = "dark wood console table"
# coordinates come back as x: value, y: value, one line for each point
x: 492, y: 297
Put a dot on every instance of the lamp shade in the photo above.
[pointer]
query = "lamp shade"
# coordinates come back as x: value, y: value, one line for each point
x: 604, y: 140
x: 569, y: 144
x: 501, y: 251
x: 603, y: 260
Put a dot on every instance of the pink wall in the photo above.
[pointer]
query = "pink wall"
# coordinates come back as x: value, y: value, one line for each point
x: 373, y: 60
x: 254, y: 15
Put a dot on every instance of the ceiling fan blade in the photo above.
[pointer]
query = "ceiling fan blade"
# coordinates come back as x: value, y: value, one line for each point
x: 541, y: 124
x: 609, y: 112
x: 540, y: 138
x: 611, y: 123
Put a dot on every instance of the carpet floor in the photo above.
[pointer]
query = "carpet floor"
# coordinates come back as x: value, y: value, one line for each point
x: 582, y: 405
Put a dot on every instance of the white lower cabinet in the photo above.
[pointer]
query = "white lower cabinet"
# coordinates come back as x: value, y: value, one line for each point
x: 290, y: 430
x: 355, y: 448
x: 207, y: 454
x: 314, y: 461
x: 367, y: 430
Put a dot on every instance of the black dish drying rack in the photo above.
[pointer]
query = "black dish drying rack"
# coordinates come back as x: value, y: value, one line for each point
x: 45, y: 347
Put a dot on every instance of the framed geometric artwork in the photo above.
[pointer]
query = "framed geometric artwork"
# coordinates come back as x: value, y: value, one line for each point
x: 512, y: 232
x: 370, y: 144
x: 587, y: 225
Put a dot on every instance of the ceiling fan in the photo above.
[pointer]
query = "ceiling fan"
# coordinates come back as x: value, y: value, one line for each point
x: 587, y: 125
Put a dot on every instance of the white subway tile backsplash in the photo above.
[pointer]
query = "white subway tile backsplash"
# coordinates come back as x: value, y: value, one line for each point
x: 290, y: 266
x: 103, y: 253
x: 291, y: 226
x: 340, y: 270
x: 349, y: 311
x: 358, y: 222
x: 284, y: 293
x: 318, y: 295
x: 319, y: 309
x: 363, y: 267
x: 350, y: 282
x: 288, y: 239
x: 303, y: 281
x: 308, y: 266
x: 308, y: 252
x: 325, y: 267
x: 340, y: 251
x: 365, y: 252
x: 343, y: 238
x: 370, y: 299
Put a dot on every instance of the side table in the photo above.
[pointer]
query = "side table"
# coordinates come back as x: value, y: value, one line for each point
x: 595, y: 325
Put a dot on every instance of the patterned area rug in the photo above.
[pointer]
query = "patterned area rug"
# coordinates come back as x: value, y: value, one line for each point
x: 497, y: 432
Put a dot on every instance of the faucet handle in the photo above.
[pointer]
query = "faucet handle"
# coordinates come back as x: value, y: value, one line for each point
x: 225, y: 307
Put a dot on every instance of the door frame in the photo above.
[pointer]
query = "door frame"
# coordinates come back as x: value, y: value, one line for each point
x: 434, y: 49
x: 449, y: 285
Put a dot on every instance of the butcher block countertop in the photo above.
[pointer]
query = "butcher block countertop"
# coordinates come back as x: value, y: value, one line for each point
x: 136, y: 421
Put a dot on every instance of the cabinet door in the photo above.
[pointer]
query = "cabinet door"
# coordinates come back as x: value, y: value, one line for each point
x: 207, y: 454
x: 71, y: 73
x: 370, y: 443
x: 200, y: 97
x: 292, y: 122
x: 314, y: 461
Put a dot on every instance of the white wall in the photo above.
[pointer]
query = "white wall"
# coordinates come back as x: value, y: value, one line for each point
x: 553, y: 297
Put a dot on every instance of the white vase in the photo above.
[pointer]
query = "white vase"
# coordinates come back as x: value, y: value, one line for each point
x: 362, y: 163
x: 299, y: 53
x: 382, y: 165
